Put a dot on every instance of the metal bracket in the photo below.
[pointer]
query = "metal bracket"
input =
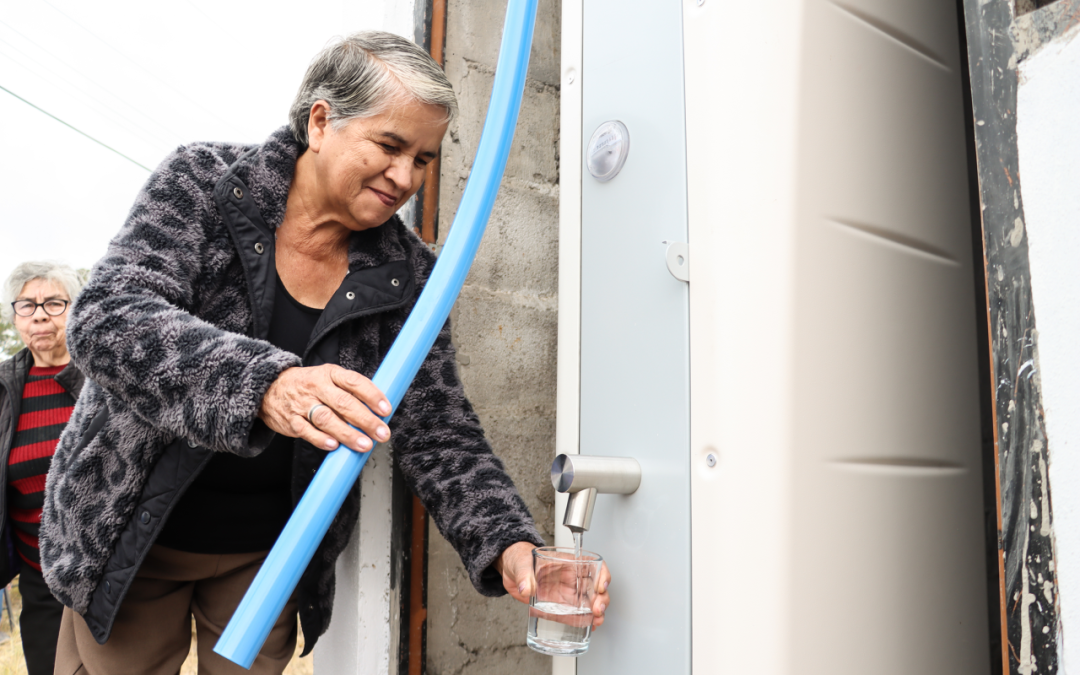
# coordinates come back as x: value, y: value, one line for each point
x: 678, y: 260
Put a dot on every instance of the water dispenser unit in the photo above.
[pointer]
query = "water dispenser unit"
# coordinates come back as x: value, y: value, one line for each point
x: 584, y: 476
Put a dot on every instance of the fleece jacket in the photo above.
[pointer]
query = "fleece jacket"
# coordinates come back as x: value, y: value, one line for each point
x: 170, y: 333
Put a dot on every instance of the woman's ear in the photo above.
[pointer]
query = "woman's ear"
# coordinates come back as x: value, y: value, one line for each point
x: 318, y: 123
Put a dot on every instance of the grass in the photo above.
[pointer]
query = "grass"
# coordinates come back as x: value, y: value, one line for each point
x: 11, y: 654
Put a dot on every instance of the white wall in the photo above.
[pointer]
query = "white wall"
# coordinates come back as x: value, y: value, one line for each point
x: 1048, y: 139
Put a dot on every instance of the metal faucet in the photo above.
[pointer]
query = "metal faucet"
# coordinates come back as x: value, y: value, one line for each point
x: 583, y: 476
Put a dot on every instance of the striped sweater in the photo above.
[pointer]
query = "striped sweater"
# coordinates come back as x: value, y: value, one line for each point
x: 46, y: 407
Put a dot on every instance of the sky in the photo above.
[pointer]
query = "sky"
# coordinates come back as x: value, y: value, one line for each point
x: 94, y: 95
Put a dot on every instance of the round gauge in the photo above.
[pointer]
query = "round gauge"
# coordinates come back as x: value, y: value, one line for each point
x: 608, y: 148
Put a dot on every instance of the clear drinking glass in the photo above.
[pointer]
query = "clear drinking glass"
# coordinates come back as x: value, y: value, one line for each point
x: 560, y: 611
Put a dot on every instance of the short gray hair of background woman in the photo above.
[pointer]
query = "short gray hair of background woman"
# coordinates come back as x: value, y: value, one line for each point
x: 366, y: 74
x: 60, y: 274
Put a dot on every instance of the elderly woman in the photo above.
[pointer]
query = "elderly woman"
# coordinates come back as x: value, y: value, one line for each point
x: 229, y: 334
x: 38, y: 388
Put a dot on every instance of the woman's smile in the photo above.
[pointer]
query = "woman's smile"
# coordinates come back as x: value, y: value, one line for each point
x: 386, y: 198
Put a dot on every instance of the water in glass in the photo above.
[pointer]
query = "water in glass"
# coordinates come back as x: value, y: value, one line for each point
x: 568, y: 636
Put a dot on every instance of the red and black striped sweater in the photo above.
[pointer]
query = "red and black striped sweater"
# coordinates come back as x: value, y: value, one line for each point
x: 45, y: 409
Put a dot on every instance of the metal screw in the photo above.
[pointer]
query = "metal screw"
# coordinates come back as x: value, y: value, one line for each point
x: 710, y: 460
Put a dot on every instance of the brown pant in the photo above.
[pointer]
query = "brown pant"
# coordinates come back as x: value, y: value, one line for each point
x: 152, y: 632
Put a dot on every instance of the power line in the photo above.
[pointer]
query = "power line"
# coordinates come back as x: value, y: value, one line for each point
x: 172, y: 138
x: 42, y: 110
x: 149, y: 72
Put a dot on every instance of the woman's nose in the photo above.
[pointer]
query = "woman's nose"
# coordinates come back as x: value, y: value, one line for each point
x: 400, y: 172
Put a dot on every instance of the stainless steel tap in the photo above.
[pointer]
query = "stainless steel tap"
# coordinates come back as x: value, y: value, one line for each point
x: 584, y: 476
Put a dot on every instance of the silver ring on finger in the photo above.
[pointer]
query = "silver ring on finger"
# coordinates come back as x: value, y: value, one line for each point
x: 311, y: 413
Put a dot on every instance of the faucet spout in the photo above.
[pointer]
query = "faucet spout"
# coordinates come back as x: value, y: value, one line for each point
x: 579, y: 508
x: 585, y: 476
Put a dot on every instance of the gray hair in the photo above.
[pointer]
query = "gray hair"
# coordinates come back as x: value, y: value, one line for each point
x: 60, y: 274
x: 364, y: 75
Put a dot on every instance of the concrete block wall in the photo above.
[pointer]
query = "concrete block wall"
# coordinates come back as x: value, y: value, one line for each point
x: 504, y: 325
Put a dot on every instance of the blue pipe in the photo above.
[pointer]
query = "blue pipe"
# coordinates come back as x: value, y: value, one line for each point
x: 265, y: 599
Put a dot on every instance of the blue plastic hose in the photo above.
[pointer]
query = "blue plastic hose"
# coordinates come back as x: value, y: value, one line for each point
x: 276, y: 580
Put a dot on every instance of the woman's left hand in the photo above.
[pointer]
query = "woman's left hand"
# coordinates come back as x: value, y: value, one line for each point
x: 516, y: 567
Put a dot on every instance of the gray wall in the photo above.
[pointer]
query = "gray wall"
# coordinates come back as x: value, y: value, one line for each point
x: 504, y: 325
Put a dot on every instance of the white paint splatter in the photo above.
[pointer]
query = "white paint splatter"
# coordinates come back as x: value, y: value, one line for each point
x: 1017, y: 234
x: 1044, y: 527
x: 1027, y: 664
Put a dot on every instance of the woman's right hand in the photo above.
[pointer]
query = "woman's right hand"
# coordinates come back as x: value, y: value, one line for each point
x: 345, y: 397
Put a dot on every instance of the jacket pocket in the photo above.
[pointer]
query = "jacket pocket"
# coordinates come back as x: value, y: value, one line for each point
x: 95, y: 426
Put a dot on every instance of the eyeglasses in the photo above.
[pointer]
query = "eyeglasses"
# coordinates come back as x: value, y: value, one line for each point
x: 51, y: 307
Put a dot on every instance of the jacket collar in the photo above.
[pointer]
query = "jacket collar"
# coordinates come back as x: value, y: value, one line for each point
x: 71, y: 379
x: 13, y: 373
x: 267, y: 172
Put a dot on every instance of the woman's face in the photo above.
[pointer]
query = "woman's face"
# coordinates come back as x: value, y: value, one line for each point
x: 370, y: 167
x: 43, y: 334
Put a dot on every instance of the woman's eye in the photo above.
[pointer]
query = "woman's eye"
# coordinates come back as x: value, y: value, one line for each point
x: 388, y: 148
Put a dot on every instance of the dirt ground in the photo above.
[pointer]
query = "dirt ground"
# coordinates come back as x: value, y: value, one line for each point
x: 11, y: 656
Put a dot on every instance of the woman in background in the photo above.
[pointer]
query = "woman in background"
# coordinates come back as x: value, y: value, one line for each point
x: 38, y: 388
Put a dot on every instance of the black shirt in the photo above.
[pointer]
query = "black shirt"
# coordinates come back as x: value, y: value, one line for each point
x: 238, y: 504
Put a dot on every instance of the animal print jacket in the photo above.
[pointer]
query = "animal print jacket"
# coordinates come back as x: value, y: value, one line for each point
x: 170, y: 334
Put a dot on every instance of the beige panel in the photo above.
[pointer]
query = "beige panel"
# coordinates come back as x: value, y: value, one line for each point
x: 886, y: 463
x: 832, y: 342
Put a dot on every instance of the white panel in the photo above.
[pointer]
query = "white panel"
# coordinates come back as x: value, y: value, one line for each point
x: 569, y: 355
x: 742, y: 68
x: 360, y: 638
x: 1048, y: 140
x: 569, y: 349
